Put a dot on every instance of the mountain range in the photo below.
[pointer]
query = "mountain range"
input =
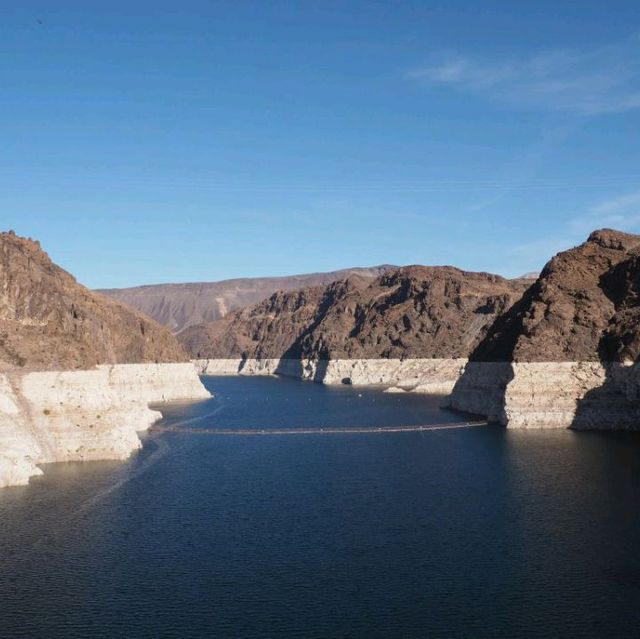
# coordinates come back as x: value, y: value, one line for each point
x: 178, y: 306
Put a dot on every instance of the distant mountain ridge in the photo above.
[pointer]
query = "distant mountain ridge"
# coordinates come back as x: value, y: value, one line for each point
x: 413, y: 311
x: 179, y: 306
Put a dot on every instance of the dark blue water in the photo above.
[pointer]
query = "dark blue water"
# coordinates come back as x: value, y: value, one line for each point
x: 452, y: 533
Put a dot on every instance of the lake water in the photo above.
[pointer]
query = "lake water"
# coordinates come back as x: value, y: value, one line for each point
x: 474, y: 532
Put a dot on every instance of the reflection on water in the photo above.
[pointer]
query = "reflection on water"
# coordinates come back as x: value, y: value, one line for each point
x: 456, y: 533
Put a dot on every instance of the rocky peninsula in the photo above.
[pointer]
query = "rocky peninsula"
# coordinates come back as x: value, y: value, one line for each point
x: 77, y: 369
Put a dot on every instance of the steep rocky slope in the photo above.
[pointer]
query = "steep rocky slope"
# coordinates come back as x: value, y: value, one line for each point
x: 50, y: 327
x: 181, y: 305
x: 571, y: 310
x: 416, y: 312
x: 411, y: 313
x: 49, y: 321
x: 565, y: 354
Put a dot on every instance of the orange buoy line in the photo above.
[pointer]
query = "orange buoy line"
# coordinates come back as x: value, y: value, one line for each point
x: 330, y: 430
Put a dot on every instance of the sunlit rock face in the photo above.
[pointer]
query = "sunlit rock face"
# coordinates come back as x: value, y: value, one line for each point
x: 414, y: 312
x: 83, y: 415
x: 48, y: 321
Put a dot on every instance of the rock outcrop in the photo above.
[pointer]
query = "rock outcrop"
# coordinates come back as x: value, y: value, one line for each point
x: 77, y: 370
x: 566, y: 354
x: 49, y: 321
x: 412, y: 327
x: 178, y: 306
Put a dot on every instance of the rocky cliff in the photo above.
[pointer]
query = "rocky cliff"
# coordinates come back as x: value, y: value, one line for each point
x: 77, y: 370
x: 49, y: 321
x: 178, y: 306
x: 357, y: 330
x: 565, y: 355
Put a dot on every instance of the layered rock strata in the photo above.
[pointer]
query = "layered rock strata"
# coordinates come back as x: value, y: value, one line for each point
x: 53, y: 416
x: 565, y: 355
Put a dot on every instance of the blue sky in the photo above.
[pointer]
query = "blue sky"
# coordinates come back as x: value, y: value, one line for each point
x: 146, y: 142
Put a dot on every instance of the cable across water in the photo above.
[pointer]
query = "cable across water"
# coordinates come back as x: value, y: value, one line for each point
x: 329, y: 430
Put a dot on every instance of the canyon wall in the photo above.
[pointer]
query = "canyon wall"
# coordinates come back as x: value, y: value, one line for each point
x: 577, y: 395
x: 409, y: 329
x: 51, y: 416
x: 413, y: 312
x: 565, y: 355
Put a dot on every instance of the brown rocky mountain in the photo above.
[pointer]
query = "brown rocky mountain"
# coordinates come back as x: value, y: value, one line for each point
x: 180, y: 305
x: 49, y: 321
x: 584, y: 307
x: 409, y: 312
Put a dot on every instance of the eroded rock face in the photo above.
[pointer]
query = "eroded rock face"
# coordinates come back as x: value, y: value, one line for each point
x: 412, y: 312
x: 578, y: 310
x: 49, y: 321
x: 566, y: 354
x: 266, y: 330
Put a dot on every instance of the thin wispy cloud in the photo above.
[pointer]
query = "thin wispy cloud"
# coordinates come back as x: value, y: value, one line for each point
x: 621, y: 213
x: 584, y: 81
x: 619, y: 205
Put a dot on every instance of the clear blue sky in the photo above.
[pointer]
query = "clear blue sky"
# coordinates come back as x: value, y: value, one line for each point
x: 146, y: 142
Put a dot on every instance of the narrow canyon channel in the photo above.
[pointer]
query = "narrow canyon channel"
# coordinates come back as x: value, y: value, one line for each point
x: 408, y: 532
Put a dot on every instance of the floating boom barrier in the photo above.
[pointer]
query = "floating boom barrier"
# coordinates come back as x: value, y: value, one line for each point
x: 327, y: 430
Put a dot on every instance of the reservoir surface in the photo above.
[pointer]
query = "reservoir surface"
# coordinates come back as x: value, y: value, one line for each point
x: 461, y: 532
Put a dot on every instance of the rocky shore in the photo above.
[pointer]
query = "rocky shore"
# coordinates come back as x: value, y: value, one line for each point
x: 53, y: 416
x: 77, y: 370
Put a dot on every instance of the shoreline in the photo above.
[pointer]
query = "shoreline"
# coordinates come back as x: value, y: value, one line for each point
x: 520, y: 395
x: 83, y: 415
x: 432, y: 376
